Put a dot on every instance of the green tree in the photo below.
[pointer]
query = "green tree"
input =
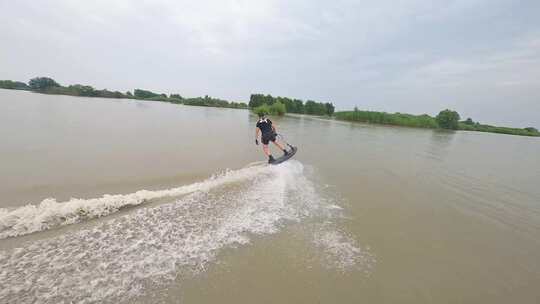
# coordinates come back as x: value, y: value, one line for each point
x: 448, y: 119
x: 263, y: 109
x: 42, y: 83
x: 292, y: 105
x: 277, y: 108
x: 81, y: 90
x: 268, y: 99
x: 310, y: 107
x: 316, y: 108
x: 469, y: 122
x: 329, y: 108
x: 14, y: 85
x: 299, y: 106
x: 256, y: 100
x: 144, y: 94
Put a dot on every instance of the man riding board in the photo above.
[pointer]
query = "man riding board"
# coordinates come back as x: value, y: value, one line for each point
x: 268, y: 134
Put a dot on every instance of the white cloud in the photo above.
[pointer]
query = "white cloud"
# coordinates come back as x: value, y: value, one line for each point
x: 409, y: 56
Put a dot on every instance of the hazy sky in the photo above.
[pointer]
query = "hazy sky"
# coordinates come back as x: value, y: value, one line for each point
x: 479, y: 57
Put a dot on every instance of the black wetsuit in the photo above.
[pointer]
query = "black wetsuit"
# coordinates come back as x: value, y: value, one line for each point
x: 268, y: 135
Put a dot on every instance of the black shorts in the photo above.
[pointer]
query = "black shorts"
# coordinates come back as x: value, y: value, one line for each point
x: 268, y: 137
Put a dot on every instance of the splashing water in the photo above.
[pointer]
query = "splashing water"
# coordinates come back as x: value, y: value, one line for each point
x: 115, y: 260
x: 50, y: 213
x: 340, y: 251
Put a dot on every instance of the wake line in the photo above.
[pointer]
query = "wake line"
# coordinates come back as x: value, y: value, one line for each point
x: 120, y: 259
x: 50, y: 213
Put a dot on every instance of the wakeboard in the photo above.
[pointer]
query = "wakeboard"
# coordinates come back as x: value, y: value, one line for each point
x: 283, y: 158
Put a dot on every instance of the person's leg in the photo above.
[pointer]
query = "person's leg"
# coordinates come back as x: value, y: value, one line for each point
x: 278, y: 145
x: 268, y: 154
x: 274, y: 140
x: 265, y: 140
x: 265, y: 149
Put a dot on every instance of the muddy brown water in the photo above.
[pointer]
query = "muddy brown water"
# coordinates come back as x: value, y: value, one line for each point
x: 362, y: 214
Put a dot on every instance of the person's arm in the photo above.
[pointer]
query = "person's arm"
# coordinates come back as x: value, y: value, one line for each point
x: 273, y: 127
x: 257, y: 135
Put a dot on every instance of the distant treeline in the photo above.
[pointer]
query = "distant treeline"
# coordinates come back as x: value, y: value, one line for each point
x: 470, y: 125
x: 396, y: 119
x: 446, y: 119
x: 13, y: 85
x: 48, y: 85
x: 310, y: 107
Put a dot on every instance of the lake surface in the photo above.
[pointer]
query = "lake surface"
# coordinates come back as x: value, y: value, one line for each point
x: 131, y: 201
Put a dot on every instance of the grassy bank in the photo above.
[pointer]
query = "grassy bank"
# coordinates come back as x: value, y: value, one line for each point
x: 396, y: 119
x: 427, y: 121
x: 45, y: 85
x: 501, y: 130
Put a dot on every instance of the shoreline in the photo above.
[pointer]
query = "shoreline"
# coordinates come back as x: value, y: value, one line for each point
x: 333, y: 118
x: 425, y: 121
x: 412, y: 121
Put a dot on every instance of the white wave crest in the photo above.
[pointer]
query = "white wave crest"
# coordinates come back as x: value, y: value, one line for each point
x: 50, y: 213
x: 115, y: 260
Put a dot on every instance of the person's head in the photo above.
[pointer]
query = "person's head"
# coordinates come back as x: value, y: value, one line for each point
x: 261, y: 115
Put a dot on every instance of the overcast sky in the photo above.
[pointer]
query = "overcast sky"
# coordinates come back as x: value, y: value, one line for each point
x: 479, y: 57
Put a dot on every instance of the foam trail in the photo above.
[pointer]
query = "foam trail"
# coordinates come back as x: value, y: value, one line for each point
x: 50, y: 213
x: 126, y: 256
x: 340, y: 251
x: 115, y: 260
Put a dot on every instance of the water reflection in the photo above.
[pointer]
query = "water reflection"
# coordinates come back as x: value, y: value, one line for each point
x: 439, y: 144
